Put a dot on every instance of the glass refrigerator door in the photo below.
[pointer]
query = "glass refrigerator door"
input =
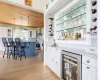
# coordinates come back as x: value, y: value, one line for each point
x: 70, y: 69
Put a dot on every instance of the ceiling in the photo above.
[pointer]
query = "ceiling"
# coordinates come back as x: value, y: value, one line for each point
x: 15, y: 15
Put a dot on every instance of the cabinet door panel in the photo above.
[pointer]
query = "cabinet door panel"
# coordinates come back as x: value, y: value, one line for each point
x: 92, y: 74
x: 58, y: 62
x: 84, y: 72
x: 88, y: 73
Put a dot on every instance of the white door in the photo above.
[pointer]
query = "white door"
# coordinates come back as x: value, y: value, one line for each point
x: 58, y: 62
x: 49, y: 58
x: 88, y: 73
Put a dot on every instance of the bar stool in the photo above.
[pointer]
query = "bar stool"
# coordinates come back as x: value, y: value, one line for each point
x: 7, y: 46
x: 20, y: 48
x: 23, y: 47
x: 17, y: 47
x: 11, y: 43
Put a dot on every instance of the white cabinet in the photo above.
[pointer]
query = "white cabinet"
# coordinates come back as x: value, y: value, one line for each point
x: 32, y: 33
x: 57, y: 62
x: 88, y: 73
x: 49, y: 58
x: 53, y: 60
x: 89, y: 70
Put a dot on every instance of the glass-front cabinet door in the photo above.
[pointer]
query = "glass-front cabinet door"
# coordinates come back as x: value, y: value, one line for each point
x: 71, y: 66
x: 71, y: 22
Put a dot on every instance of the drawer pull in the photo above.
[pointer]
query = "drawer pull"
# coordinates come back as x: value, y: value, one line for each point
x: 88, y: 61
x: 92, y: 50
x: 88, y: 67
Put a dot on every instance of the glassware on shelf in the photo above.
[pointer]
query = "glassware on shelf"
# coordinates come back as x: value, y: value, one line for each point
x: 69, y: 23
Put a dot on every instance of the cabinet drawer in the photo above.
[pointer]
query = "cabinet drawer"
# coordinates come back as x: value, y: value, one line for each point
x: 89, y: 61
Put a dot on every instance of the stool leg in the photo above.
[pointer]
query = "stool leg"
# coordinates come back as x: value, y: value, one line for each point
x: 7, y: 52
x: 24, y: 53
x: 4, y: 52
x: 16, y: 57
x: 20, y: 57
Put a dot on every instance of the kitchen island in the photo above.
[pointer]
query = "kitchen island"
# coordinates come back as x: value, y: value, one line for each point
x: 30, y: 49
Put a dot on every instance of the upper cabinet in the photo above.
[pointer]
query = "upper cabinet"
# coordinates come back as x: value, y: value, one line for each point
x: 75, y: 21
x: 70, y: 24
x: 10, y: 14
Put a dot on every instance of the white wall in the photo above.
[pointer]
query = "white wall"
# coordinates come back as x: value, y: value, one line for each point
x: 17, y: 1
x: 39, y: 4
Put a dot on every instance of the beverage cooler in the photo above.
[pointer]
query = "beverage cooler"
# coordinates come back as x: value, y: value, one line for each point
x: 77, y: 22
x: 71, y: 66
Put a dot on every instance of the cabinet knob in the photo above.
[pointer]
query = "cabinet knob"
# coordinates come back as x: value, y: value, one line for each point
x: 92, y: 49
x: 88, y: 67
x: 88, y: 61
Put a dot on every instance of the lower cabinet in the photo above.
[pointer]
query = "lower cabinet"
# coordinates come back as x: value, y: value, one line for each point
x: 88, y: 73
x: 53, y: 60
x: 89, y: 70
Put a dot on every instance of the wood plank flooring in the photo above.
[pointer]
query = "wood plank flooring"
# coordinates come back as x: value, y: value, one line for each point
x: 31, y: 68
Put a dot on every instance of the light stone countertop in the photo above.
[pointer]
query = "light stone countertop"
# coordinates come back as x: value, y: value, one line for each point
x: 76, y: 51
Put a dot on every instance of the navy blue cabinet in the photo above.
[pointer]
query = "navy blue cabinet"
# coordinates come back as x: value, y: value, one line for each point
x: 30, y: 49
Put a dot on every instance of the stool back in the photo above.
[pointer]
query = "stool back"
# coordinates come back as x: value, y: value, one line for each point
x: 4, y: 40
x: 11, y: 42
x: 17, y: 42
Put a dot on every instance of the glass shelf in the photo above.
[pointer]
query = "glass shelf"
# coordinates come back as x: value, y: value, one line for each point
x: 72, y: 18
x: 71, y: 11
x: 71, y: 23
x: 70, y: 28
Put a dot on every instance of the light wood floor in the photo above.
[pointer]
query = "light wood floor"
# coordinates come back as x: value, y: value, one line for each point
x: 31, y: 68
